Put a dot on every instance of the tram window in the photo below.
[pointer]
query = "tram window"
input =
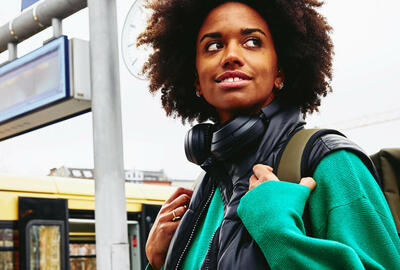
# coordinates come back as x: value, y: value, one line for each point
x: 44, y: 242
x: 44, y: 249
x: 7, y: 238
x: 8, y: 249
x: 82, y: 256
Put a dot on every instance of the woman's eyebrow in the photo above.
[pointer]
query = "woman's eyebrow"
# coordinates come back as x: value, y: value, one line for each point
x: 247, y: 31
x: 211, y: 35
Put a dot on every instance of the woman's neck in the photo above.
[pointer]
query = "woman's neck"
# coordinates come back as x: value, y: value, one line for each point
x: 226, y: 115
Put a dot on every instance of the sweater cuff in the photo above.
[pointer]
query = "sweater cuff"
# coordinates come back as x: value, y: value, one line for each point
x: 273, y: 203
x: 148, y: 267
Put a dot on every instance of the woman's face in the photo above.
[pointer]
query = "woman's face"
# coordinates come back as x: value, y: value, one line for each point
x: 236, y: 61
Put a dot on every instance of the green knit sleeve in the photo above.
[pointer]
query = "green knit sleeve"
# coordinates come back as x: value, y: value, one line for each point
x: 148, y: 267
x: 351, y: 224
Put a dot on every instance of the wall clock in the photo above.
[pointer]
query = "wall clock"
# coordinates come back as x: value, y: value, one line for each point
x: 135, y: 23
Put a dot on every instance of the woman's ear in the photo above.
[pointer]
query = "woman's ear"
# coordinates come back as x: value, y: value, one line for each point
x: 197, y: 88
x: 278, y: 83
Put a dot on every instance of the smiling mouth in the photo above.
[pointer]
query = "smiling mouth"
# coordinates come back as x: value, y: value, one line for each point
x: 232, y: 80
x: 232, y: 76
x: 235, y: 79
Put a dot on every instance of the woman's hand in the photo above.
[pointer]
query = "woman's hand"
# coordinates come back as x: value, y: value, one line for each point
x: 165, y: 225
x: 264, y: 173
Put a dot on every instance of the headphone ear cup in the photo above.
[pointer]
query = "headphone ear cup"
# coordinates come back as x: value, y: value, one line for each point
x: 198, y: 143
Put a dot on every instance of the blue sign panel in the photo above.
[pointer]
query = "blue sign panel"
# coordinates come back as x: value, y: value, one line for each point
x: 27, y: 3
x: 34, y: 80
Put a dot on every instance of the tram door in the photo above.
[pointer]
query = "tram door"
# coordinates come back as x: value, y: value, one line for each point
x: 134, y: 249
x: 43, y: 233
x: 82, y: 244
x: 83, y: 248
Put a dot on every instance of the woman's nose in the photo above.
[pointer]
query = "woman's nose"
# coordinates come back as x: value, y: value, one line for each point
x: 232, y: 57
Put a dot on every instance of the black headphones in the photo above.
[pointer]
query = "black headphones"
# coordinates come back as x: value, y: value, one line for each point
x: 205, y: 140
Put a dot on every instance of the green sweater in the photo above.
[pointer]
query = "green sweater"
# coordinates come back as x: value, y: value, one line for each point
x: 351, y: 222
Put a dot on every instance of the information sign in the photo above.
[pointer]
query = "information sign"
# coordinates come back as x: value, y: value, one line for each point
x: 34, y: 80
x: 27, y: 3
x: 45, y: 86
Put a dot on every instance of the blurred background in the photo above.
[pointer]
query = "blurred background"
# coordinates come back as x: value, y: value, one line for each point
x: 364, y: 103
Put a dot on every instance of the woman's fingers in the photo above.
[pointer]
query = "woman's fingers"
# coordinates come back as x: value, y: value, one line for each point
x: 165, y: 225
x: 174, y: 215
x: 180, y: 197
x: 264, y: 172
x: 173, y: 210
x: 308, y: 182
x: 179, y: 191
x: 253, y: 182
x: 178, y: 213
x: 182, y: 200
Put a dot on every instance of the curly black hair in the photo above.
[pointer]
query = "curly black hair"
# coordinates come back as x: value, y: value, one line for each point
x: 300, y: 35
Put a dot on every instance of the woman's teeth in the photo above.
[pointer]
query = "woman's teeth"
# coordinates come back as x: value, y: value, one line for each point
x: 232, y: 79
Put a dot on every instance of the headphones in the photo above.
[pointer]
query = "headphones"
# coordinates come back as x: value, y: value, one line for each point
x: 205, y: 140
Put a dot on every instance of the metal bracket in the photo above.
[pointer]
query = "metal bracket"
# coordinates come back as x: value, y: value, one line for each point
x: 10, y: 28
x: 35, y: 17
x: 12, y: 51
x: 56, y: 23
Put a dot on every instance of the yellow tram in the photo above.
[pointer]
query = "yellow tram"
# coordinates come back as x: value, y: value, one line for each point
x: 48, y: 222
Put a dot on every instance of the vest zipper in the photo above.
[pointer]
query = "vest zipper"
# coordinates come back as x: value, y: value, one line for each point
x: 194, y: 227
x: 209, y: 248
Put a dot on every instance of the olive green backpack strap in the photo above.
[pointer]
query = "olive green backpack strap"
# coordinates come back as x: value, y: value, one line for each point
x: 289, y: 168
x: 387, y: 162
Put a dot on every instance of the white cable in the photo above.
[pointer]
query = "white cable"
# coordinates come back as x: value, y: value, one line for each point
x: 366, y: 120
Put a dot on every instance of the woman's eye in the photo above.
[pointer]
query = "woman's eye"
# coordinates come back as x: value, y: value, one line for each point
x: 253, y: 43
x: 213, y: 46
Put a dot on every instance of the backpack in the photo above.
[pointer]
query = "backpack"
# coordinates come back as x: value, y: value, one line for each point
x: 386, y: 161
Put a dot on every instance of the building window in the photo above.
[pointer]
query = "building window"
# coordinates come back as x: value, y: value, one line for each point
x: 76, y: 173
x: 87, y: 174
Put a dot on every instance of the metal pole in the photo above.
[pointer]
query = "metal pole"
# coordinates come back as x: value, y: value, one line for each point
x: 112, y: 250
x: 36, y: 19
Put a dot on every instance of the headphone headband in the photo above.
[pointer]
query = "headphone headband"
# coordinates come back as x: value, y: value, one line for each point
x: 225, y: 143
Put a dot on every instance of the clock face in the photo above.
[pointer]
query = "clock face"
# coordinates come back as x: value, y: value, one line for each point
x: 135, y: 23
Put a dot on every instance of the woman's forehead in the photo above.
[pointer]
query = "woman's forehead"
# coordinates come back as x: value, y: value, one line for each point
x: 232, y: 16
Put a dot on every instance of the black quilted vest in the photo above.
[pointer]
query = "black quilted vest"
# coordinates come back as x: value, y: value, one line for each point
x: 232, y: 247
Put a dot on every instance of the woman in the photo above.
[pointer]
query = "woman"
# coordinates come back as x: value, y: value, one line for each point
x: 251, y: 67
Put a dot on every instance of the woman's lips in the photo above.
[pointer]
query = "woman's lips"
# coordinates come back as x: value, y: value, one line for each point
x: 228, y: 84
x: 233, y: 79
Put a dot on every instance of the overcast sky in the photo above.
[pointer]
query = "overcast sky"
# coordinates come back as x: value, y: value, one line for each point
x: 366, y: 90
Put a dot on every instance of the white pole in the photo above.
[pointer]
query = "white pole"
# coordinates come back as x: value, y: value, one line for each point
x: 112, y: 250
